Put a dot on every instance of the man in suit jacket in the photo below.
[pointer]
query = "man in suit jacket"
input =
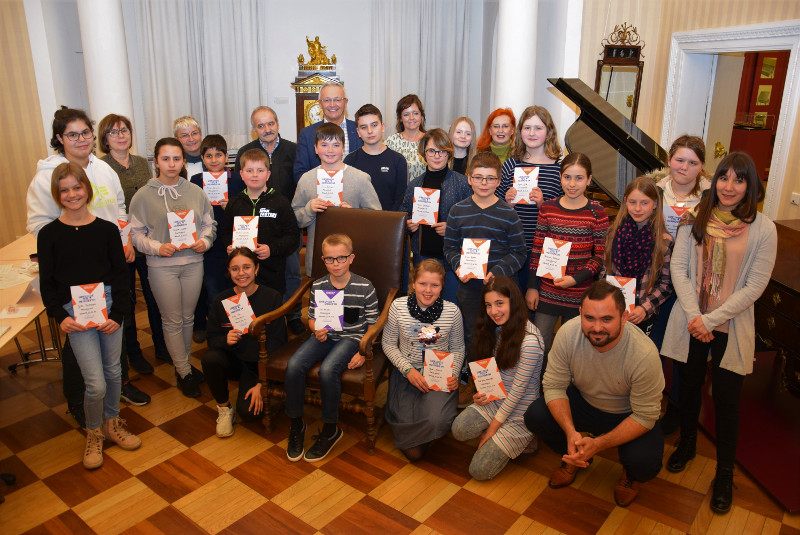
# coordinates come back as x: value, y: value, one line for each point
x: 281, y: 151
x: 333, y: 101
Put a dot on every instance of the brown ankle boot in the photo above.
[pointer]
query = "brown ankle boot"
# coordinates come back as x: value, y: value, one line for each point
x: 93, y: 454
x: 114, y: 429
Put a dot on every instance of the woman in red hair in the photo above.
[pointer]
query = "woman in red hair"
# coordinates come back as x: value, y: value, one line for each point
x: 498, y: 133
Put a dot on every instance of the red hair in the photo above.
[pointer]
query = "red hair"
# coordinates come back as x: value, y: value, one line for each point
x: 485, y: 139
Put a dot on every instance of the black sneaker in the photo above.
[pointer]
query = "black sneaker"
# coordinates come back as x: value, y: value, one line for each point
x: 188, y: 385
x: 133, y: 395
x: 294, y: 450
x: 198, y: 375
x: 322, y: 445
x: 139, y: 364
x: 76, y: 411
x: 296, y: 326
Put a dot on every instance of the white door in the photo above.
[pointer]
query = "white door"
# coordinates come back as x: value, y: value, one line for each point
x: 722, y: 112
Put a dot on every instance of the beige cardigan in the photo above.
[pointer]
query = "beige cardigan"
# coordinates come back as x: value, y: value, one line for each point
x: 759, y: 259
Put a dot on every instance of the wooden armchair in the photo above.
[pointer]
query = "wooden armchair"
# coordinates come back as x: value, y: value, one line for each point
x: 378, y: 243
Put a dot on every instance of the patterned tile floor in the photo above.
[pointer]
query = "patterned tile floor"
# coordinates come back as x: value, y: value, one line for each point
x: 186, y: 480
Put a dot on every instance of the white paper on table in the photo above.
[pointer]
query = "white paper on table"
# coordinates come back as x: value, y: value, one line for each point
x: 245, y: 232
x: 15, y: 312
x: 554, y: 258
x: 628, y: 287
x: 239, y: 311
x: 124, y: 233
x: 487, y: 378
x: 215, y: 186
x: 426, y: 206
x: 89, y: 304
x: 474, y: 258
x: 13, y: 278
x: 182, y: 228
x: 438, y: 366
x: 329, y: 310
x: 525, y: 179
x: 330, y: 186
x: 672, y: 216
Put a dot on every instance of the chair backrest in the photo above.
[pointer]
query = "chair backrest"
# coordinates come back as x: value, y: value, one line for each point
x: 378, y: 239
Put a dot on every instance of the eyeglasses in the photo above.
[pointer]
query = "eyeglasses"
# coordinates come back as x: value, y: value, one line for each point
x: 119, y: 133
x: 501, y: 127
x: 187, y: 135
x: 485, y: 179
x: 245, y: 268
x: 73, y: 136
x: 336, y: 100
x: 434, y: 152
x: 338, y: 259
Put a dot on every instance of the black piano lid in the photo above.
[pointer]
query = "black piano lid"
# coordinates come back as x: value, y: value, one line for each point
x: 619, y: 132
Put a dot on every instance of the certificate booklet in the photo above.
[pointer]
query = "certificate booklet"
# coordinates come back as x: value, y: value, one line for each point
x: 426, y: 206
x: 438, y: 367
x: 245, y: 232
x: 89, y: 304
x: 554, y: 258
x: 215, y: 185
x: 239, y: 311
x: 525, y: 179
x: 182, y: 229
x: 330, y: 186
x: 628, y: 287
x: 487, y: 378
x: 329, y: 311
x: 474, y: 258
x: 124, y: 234
x: 672, y: 215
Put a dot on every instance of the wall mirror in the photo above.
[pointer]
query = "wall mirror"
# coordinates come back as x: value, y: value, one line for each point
x: 619, y: 73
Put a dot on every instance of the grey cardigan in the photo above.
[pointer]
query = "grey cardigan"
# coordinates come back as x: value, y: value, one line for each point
x: 759, y: 259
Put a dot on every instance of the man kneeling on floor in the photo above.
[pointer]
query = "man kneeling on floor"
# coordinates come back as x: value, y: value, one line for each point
x: 603, y: 378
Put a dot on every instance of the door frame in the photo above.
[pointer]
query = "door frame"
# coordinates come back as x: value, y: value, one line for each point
x: 682, y: 85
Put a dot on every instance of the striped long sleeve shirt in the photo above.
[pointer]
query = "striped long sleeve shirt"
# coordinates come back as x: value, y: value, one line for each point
x: 360, y: 305
x: 498, y: 223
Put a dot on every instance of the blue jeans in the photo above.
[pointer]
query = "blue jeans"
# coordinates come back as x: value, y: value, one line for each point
x: 335, y: 355
x: 98, y: 358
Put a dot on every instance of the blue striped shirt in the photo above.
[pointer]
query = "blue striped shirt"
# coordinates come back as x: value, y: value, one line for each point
x: 498, y: 223
x: 549, y: 183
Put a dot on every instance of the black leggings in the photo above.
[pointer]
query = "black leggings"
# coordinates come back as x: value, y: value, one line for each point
x: 726, y: 389
x: 219, y: 366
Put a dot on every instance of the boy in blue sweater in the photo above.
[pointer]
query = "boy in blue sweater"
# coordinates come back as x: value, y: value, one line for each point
x: 483, y: 216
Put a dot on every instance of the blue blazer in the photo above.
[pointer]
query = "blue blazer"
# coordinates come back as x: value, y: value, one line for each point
x: 306, y: 159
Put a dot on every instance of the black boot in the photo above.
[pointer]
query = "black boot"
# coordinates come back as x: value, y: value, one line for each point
x: 685, y: 452
x: 723, y: 491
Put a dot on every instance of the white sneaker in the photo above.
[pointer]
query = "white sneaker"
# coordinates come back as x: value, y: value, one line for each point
x: 225, y: 421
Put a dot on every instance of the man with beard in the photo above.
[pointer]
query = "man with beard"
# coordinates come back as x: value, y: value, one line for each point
x: 604, y: 379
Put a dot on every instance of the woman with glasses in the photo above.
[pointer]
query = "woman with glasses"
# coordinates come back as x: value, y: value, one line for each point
x: 115, y: 138
x: 427, y: 241
x: 498, y: 133
x: 410, y: 129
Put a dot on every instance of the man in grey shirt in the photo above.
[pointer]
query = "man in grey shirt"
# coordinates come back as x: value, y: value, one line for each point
x: 603, y: 378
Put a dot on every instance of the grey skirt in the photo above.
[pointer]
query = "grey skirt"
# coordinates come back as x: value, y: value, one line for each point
x: 416, y: 417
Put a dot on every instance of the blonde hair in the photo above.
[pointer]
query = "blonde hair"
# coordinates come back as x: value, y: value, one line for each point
x: 332, y: 240
x: 187, y: 121
x: 649, y: 188
x: 64, y: 170
x: 552, y: 148
x: 473, y: 144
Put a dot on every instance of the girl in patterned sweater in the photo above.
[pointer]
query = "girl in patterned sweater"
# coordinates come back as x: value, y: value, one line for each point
x: 504, y: 332
x: 571, y: 218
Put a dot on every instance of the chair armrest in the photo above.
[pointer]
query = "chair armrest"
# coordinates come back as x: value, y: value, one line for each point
x: 258, y: 324
x: 365, y: 346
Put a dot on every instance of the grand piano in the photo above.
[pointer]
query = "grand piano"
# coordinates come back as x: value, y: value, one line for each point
x: 769, y: 432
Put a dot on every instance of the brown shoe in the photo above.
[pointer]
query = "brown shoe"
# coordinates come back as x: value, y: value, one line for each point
x: 114, y: 429
x: 564, y: 476
x: 93, y: 454
x: 626, y: 490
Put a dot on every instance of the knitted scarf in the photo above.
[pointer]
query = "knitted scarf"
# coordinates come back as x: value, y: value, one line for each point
x: 721, y: 226
x: 427, y: 316
x: 632, y: 250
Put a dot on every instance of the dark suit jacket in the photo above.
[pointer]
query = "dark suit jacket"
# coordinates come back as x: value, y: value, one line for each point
x: 306, y: 157
x: 281, y: 165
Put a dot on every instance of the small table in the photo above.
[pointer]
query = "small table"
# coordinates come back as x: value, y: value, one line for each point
x: 16, y: 253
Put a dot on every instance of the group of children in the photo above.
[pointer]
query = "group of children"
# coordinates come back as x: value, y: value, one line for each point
x: 477, y: 261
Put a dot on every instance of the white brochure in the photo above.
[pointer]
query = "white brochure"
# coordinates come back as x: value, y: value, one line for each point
x: 245, y: 232
x: 329, y: 311
x: 628, y: 287
x: 239, y: 311
x: 525, y: 179
x: 474, y: 258
x: 426, y: 206
x: 554, y: 258
x: 89, y: 304
x: 487, y: 378
x: 437, y: 368
x: 330, y: 186
x: 182, y: 229
x: 215, y: 185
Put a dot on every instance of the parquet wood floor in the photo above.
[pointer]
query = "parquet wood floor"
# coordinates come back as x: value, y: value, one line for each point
x: 186, y: 480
